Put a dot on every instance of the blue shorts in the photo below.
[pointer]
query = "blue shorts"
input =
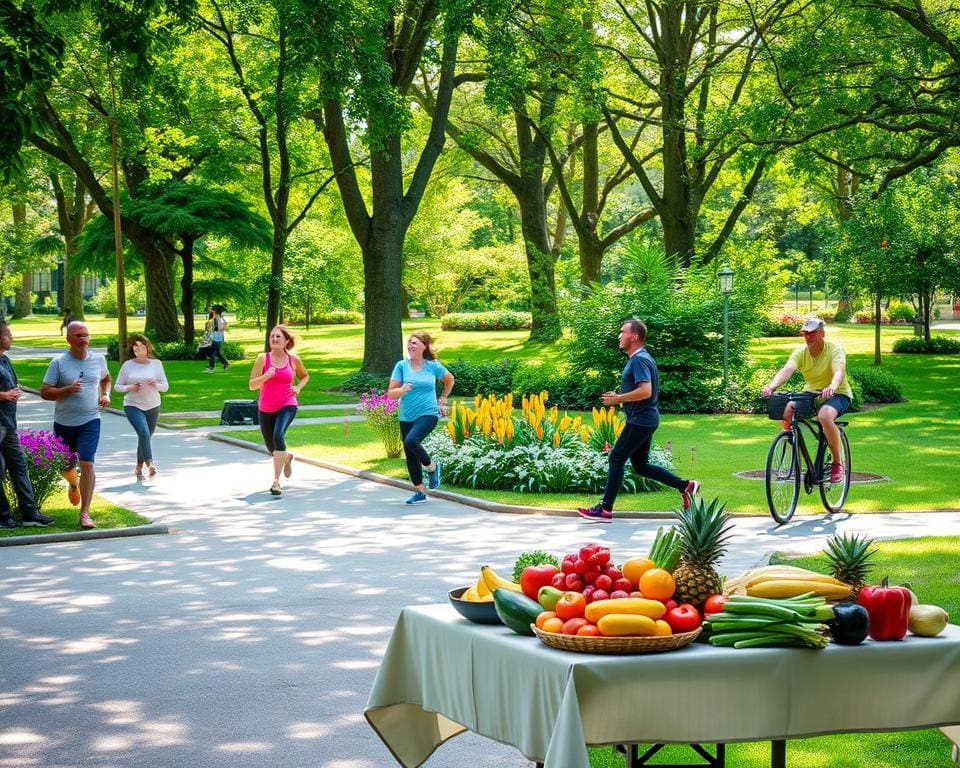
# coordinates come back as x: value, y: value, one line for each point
x: 83, y: 440
x: 841, y: 403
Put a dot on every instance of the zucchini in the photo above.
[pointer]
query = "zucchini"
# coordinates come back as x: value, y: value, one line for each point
x: 516, y: 610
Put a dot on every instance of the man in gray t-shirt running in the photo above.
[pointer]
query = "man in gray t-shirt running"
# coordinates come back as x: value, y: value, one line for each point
x: 79, y: 384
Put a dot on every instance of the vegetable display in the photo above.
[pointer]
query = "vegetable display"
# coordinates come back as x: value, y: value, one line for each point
x: 749, y: 622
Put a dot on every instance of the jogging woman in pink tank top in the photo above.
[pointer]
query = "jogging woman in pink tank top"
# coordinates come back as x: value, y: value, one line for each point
x: 274, y: 374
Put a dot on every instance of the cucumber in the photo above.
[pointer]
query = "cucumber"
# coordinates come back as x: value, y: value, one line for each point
x: 516, y: 610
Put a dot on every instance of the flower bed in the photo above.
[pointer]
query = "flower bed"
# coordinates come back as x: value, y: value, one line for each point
x: 47, y: 457
x: 536, y: 451
x: 383, y: 416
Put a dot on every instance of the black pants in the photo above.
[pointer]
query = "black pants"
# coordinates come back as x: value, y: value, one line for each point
x: 274, y: 426
x: 634, y: 444
x: 216, y: 354
x: 12, y: 459
x: 412, y: 433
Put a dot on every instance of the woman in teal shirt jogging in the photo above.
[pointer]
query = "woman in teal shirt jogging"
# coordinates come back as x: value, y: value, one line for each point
x: 414, y: 383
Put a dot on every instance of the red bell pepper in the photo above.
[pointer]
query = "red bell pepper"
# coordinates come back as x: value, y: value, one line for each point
x: 889, y: 610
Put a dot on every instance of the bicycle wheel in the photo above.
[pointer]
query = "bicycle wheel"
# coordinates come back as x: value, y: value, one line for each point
x: 834, y: 495
x: 783, y: 477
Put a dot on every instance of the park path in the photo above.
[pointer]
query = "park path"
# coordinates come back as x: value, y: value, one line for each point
x: 249, y: 637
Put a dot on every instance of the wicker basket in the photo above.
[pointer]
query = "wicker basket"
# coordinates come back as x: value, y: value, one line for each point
x: 616, y: 645
x: 803, y: 404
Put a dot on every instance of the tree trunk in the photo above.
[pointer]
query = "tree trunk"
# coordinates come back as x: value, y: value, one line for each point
x: 72, y: 216
x: 186, y: 292
x: 22, y: 304
x: 274, y: 292
x: 545, y: 324
x: 382, y: 268
x: 161, y: 316
x: 876, y: 333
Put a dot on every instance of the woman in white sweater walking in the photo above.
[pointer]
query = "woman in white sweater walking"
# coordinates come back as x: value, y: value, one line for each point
x: 141, y: 380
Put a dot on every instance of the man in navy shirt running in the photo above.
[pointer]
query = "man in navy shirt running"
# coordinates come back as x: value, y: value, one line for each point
x: 639, y: 395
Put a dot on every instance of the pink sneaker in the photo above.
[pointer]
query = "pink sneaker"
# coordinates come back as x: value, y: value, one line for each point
x: 596, y: 513
x: 85, y: 521
x: 836, y: 473
x: 692, y: 489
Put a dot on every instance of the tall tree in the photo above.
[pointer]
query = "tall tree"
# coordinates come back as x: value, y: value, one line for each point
x: 368, y: 54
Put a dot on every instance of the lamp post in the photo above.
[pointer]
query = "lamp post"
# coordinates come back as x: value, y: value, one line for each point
x: 725, y: 276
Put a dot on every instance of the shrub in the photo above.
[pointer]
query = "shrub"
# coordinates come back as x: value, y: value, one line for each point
x: 364, y: 382
x: 45, y: 309
x: 490, y: 446
x: 576, y: 391
x: 482, y: 378
x: 175, y: 350
x: 877, y: 386
x: 937, y: 345
x: 864, y: 316
x: 787, y: 324
x: 497, y: 320
x: 827, y: 315
x: 337, y: 317
x: 842, y: 313
x: 383, y: 416
x: 900, y: 313
x: 47, y: 457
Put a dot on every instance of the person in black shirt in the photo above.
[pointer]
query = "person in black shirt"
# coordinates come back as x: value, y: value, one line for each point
x: 640, y: 396
x: 11, y: 454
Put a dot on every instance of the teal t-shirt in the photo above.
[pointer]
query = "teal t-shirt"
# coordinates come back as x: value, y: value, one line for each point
x: 422, y: 399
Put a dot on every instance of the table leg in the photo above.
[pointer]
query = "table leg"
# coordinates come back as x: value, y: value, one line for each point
x: 778, y: 753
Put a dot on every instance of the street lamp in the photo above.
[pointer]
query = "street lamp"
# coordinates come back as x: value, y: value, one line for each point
x: 725, y: 276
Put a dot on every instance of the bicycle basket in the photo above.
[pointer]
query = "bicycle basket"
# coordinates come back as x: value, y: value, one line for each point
x: 804, y: 404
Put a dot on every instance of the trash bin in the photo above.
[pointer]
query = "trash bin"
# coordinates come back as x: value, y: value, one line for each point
x: 917, y: 325
x: 239, y: 412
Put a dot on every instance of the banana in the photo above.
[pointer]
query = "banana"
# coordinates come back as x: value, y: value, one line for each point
x: 740, y: 584
x: 471, y: 595
x: 495, y: 581
x: 794, y: 587
x: 482, y: 589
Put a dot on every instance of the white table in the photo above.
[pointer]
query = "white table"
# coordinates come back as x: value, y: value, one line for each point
x: 442, y: 675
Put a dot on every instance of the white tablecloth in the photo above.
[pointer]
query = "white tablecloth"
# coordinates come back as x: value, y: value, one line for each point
x: 442, y: 675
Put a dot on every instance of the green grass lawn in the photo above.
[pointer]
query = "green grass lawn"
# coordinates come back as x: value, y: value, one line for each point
x: 929, y: 565
x: 104, y: 514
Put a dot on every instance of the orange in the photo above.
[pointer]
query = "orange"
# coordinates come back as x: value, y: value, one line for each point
x: 663, y: 628
x: 634, y: 568
x: 657, y: 584
x: 544, y: 615
x: 554, y: 625
x: 571, y: 605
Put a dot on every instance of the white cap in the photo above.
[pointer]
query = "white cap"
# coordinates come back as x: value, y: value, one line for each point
x: 812, y: 324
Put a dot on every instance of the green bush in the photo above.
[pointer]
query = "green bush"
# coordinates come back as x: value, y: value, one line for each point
x: 45, y: 309
x: 175, y: 350
x: 917, y: 345
x: 497, y: 320
x: 900, y: 313
x: 482, y: 378
x: 337, y: 317
x: 843, y: 313
x: 364, y: 382
x: 877, y: 386
x: 575, y: 391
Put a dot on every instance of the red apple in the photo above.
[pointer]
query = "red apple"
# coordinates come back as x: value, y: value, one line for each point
x: 683, y: 618
x: 580, y: 566
x: 636, y: 593
x: 623, y: 584
x: 619, y: 593
x: 588, y: 591
x: 614, y: 573
x: 574, y: 583
x: 566, y: 565
x: 591, y: 575
x: 600, y: 594
x: 559, y: 581
x: 670, y: 604
x: 536, y: 576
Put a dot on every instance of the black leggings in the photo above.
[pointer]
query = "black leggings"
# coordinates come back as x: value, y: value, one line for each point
x: 412, y: 433
x: 274, y: 425
x: 634, y: 444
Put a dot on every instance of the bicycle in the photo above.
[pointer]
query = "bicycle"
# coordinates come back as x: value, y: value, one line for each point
x: 789, y: 462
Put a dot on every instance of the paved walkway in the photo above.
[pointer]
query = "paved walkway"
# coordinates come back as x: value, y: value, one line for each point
x: 249, y: 637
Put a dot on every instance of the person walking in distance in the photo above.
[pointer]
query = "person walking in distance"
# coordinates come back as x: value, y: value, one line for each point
x: 640, y: 397
x: 141, y: 380
x: 79, y: 384
x: 280, y: 376
x: 11, y: 454
x: 216, y: 326
x: 414, y: 383
x: 823, y: 365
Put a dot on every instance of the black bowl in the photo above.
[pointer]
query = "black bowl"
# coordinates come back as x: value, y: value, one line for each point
x: 478, y: 613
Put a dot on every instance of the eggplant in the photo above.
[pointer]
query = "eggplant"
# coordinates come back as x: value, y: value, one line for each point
x: 850, y: 624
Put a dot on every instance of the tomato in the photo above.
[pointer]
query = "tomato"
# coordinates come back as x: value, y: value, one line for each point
x: 634, y: 568
x: 714, y: 604
x: 544, y: 615
x: 571, y: 605
x: 554, y: 625
x: 657, y: 584
x: 683, y: 618
x: 588, y: 630
x: 572, y: 626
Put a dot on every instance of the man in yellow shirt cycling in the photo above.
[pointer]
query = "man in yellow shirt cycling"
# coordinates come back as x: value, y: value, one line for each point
x: 823, y: 365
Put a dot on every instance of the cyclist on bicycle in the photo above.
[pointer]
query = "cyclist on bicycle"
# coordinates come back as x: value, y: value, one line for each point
x: 823, y: 366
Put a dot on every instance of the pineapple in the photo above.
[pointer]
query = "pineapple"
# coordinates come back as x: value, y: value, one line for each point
x: 850, y: 559
x: 704, y: 529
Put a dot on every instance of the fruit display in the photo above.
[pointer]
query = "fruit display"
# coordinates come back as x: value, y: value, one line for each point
x: 482, y: 591
x: 750, y: 622
x: 786, y: 581
x: 703, y: 529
